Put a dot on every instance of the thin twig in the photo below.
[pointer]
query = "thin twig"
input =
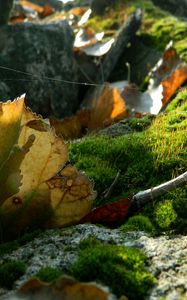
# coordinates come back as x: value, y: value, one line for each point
x: 107, y: 193
x: 143, y: 197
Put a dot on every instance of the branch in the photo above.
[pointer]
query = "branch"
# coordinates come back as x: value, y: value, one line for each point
x: 144, y: 196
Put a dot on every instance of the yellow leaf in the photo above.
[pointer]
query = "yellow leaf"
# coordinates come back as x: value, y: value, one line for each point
x: 10, y: 121
x: 72, y: 196
x: 10, y: 175
x: 47, y: 155
x: 34, y: 190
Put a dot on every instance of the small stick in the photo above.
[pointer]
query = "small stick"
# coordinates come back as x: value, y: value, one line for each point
x: 107, y: 193
x: 143, y: 197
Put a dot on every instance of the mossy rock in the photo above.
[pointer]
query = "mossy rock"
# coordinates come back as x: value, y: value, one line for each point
x: 122, y: 269
x: 146, y: 159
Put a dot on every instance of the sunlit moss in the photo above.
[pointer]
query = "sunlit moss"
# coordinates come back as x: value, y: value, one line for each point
x: 147, y: 158
x: 164, y: 30
x: 121, y: 268
x: 165, y: 214
x: 138, y: 223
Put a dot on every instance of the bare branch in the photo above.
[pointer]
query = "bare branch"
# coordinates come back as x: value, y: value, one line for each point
x: 145, y: 196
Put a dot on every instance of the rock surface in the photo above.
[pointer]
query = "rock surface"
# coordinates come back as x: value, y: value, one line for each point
x: 59, y: 248
x: 45, y: 51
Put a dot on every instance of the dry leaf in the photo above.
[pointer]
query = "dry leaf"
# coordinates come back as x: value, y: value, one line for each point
x: 31, y: 159
x: 86, y: 37
x: 106, y: 108
x: 10, y: 125
x: 109, y: 214
x: 72, y: 127
x: 29, y: 5
x: 47, y: 11
x: 66, y: 288
x: 72, y: 196
x: 137, y: 102
x: 166, y: 77
x: 173, y: 82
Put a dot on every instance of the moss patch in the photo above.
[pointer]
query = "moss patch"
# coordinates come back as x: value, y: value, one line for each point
x: 10, y: 272
x: 121, y: 268
x: 165, y: 30
x: 145, y: 158
x: 48, y: 274
x: 138, y: 223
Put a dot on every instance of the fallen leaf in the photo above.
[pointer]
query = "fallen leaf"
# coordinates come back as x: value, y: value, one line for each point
x: 19, y: 18
x: 165, y: 66
x: 109, y: 214
x: 173, y: 82
x: 72, y: 127
x: 47, y: 11
x: 31, y: 6
x: 98, y: 48
x: 166, y: 77
x: 10, y: 125
x: 72, y: 196
x: 106, y: 107
x: 66, y: 288
x: 33, y: 187
x: 86, y: 37
x: 149, y: 102
x: 77, y: 11
x: 85, y: 17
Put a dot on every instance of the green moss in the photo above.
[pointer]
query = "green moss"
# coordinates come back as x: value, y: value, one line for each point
x: 140, y: 124
x: 10, y: 272
x: 165, y: 214
x: 164, y: 30
x: 121, y: 268
x: 146, y: 159
x: 99, y: 24
x: 159, y: 151
x: 138, y: 222
x: 48, y: 274
x: 90, y: 241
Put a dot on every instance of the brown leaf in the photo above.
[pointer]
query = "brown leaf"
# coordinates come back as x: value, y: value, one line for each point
x: 173, y: 82
x: 106, y: 108
x: 109, y: 214
x: 47, y: 11
x: 29, y: 5
x: 72, y: 127
x: 66, y: 288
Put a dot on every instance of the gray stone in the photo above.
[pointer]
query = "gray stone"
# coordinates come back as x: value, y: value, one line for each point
x: 59, y: 249
x: 43, y: 53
